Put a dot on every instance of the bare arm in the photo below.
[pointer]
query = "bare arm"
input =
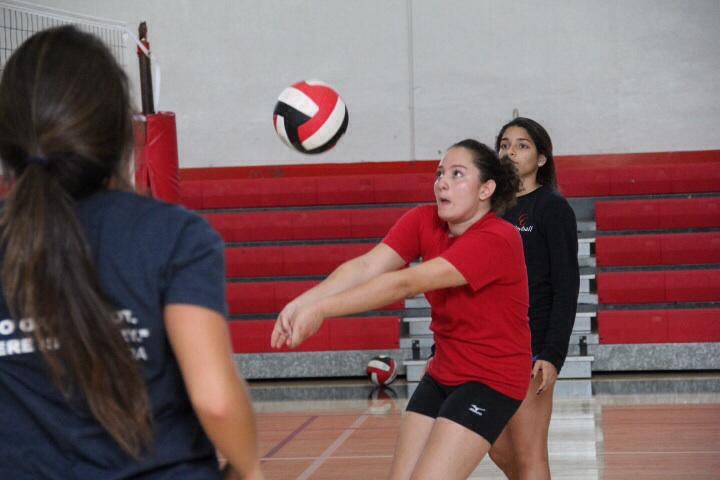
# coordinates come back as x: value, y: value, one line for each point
x: 375, y: 292
x: 200, y: 341
x: 354, y: 272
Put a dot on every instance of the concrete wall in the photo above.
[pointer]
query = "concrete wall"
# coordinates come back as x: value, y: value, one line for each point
x: 604, y: 77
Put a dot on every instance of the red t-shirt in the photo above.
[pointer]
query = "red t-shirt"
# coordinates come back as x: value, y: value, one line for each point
x: 481, y: 329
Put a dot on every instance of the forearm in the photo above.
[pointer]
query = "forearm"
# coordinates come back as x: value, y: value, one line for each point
x: 348, y: 275
x: 217, y: 392
x: 378, y: 292
x: 233, y: 431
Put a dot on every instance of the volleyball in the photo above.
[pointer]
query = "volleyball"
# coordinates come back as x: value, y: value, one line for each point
x: 310, y: 116
x: 382, y: 370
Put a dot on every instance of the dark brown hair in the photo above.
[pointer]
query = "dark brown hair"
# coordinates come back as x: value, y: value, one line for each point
x: 501, y: 170
x: 65, y: 132
x: 546, y: 173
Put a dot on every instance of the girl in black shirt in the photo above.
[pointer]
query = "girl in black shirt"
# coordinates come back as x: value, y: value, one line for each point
x: 549, y: 231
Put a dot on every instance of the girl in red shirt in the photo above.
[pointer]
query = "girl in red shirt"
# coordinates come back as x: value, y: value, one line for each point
x: 473, y: 274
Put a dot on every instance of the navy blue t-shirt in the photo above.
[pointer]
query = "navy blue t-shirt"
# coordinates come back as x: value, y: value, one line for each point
x: 147, y: 255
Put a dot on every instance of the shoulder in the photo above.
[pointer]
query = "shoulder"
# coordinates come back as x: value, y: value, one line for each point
x: 553, y: 206
x: 425, y: 211
x: 499, y: 226
x: 496, y: 230
x: 421, y: 215
x: 551, y: 198
x: 137, y: 215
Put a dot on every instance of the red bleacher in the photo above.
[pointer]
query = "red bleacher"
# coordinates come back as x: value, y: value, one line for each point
x: 357, y: 333
x: 659, y: 326
x: 668, y: 286
x: 663, y: 214
x: 326, y: 224
x: 308, y: 191
x: 270, y: 297
x: 639, y: 174
x: 290, y: 260
x: 333, y: 204
x: 660, y: 249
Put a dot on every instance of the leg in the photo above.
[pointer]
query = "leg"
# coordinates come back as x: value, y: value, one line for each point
x: 528, y: 436
x: 452, y: 452
x: 416, y: 425
x: 473, y: 416
x: 414, y: 432
x: 502, y: 453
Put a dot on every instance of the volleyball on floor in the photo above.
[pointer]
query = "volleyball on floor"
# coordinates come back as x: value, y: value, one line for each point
x: 310, y: 116
x: 382, y: 370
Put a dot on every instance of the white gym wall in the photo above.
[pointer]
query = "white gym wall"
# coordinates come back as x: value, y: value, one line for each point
x: 612, y: 76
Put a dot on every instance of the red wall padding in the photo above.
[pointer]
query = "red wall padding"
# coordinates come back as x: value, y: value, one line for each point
x: 270, y: 297
x: 356, y: 333
x: 306, y: 191
x: 659, y: 326
x: 661, y: 214
x: 661, y: 249
x: 156, y: 157
x: 310, y: 170
x: 289, y: 260
x: 305, y: 224
x: 658, y: 287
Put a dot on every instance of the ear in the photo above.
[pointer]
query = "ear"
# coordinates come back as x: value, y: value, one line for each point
x: 542, y: 160
x: 487, y: 189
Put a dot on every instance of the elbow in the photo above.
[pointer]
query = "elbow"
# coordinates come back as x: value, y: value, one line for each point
x: 216, y: 406
x: 407, y: 286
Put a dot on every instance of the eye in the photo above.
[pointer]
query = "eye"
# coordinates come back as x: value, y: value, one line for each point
x: 504, y: 146
x: 457, y: 173
x: 438, y: 173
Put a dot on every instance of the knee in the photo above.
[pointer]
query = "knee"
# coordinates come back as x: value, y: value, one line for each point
x: 503, y: 459
x: 533, y: 465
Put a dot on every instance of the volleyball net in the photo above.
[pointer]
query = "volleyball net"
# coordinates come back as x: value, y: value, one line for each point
x: 156, y: 157
x: 20, y: 20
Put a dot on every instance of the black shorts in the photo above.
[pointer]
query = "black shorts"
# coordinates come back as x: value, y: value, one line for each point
x: 473, y: 405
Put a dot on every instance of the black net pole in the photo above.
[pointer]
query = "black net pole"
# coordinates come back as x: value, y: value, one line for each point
x: 146, y: 91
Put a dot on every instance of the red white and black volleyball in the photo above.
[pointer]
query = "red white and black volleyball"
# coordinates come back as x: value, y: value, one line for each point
x: 310, y: 116
x: 382, y: 370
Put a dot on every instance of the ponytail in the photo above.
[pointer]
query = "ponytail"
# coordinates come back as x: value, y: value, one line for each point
x: 507, y: 183
x: 65, y: 129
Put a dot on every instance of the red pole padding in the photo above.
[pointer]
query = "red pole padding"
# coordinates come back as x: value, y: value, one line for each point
x: 156, y: 157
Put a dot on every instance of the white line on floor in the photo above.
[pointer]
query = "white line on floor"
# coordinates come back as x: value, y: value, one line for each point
x: 335, y: 445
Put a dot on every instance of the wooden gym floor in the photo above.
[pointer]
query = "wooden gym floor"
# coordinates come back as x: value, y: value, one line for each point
x: 631, y: 427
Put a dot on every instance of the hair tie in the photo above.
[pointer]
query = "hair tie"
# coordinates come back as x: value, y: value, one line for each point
x: 37, y: 160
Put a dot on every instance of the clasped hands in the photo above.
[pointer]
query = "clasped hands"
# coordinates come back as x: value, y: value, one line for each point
x: 295, y: 324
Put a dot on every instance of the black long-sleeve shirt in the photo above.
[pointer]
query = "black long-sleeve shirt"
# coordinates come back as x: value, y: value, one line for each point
x: 548, y: 228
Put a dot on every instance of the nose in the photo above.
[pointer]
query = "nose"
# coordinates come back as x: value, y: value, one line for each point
x: 442, y: 183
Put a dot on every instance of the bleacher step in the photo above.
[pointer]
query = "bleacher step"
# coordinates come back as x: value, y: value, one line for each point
x: 576, y: 367
x: 421, y: 302
x: 323, y: 364
x: 586, y: 247
x: 655, y: 356
x: 420, y: 326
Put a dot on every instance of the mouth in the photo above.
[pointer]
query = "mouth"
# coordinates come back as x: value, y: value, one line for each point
x: 443, y: 201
